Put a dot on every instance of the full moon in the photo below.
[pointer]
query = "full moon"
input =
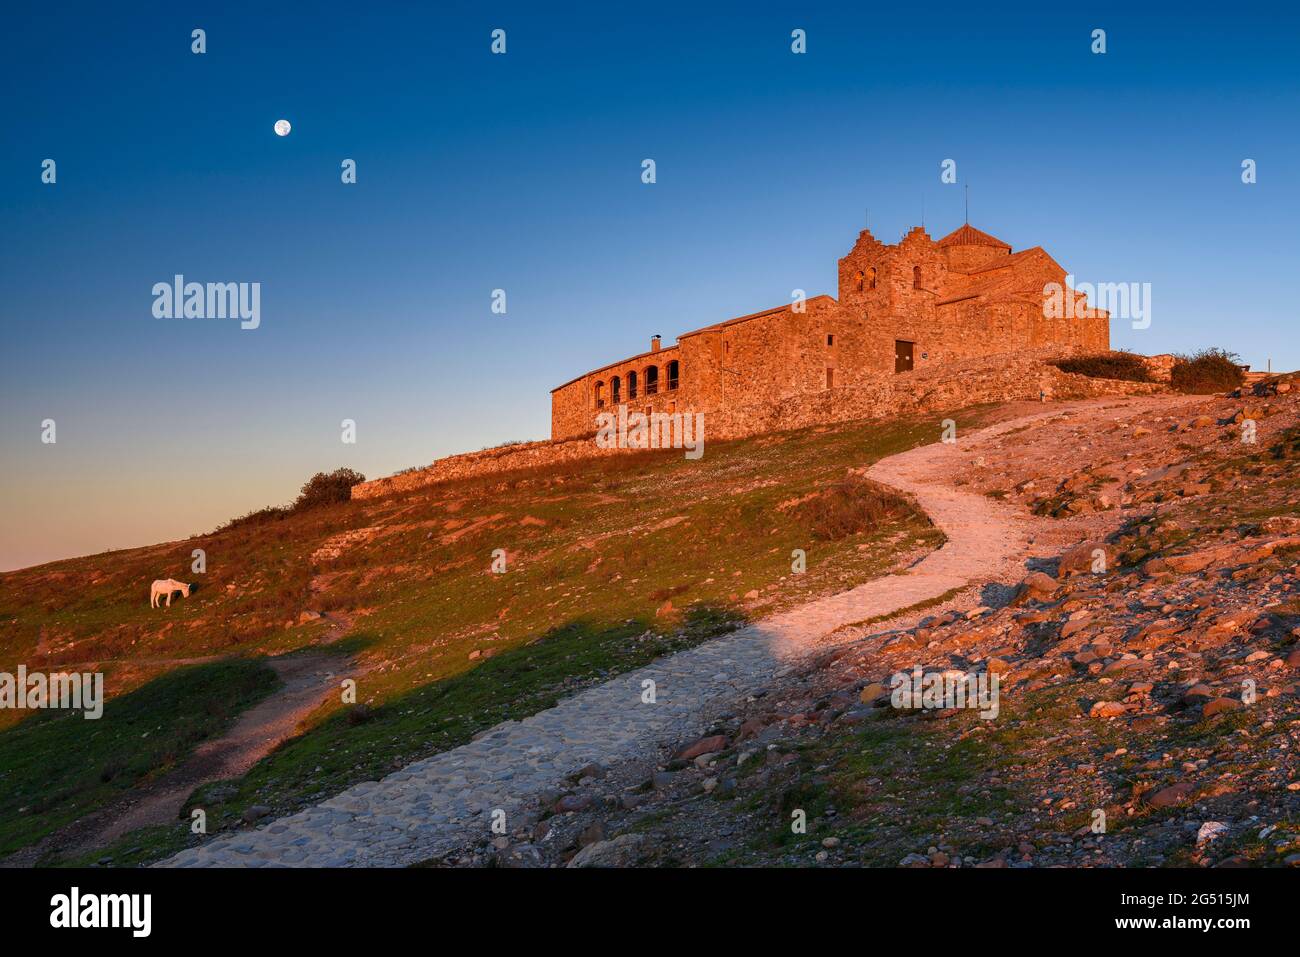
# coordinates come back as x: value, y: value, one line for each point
x: 282, y: 127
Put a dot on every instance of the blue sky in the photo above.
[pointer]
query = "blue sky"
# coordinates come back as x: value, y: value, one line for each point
x: 522, y: 172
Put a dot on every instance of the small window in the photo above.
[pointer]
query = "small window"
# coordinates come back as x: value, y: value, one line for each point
x: 871, y: 278
x: 859, y: 281
x: 674, y: 371
x: 614, y: 385
x: 631, y: 385
x: 830, y: 338
x: 651, y: 380
x: 916, y: 277
x: 600, y: 395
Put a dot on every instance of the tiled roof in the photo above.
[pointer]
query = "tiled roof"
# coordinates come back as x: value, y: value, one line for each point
x: 968, y: 235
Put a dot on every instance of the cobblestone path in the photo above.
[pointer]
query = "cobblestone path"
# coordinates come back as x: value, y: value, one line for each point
x: 443, y: 802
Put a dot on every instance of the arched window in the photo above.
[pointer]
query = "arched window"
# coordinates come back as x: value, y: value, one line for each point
x: 916, y: 277
x: 858, y: 279
x: 871, y: 278
x: 674, y: 372
x: 631, y: 385
x: 599, y: 394
x: 651, y: 380
x: 614, y: 389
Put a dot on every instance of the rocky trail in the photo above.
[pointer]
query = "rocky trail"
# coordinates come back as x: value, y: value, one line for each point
x: 520, y: 771
x: 1148, y: 666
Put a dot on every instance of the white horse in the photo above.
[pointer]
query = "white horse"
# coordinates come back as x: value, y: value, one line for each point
x: 167, y: 586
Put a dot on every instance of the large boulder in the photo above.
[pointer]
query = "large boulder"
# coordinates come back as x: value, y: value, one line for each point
x: 622, y: 851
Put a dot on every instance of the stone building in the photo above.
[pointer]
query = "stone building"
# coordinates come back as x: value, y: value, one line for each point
x: 909, y: 306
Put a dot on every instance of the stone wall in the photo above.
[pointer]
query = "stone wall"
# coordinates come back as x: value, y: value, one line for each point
x: 1161, y: 367
x: 488, y: 462
x: 985, y: 379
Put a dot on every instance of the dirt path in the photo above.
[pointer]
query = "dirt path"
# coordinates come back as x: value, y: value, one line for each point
x: 442, y: 802
x: 307, y: 679
x: 988, y: 539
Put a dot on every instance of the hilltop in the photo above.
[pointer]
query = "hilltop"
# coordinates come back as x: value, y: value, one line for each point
x: 609, y: 564
x: 1148, y: 711
x: 1118, y: 684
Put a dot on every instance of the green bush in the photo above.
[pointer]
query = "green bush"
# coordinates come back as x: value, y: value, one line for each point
x: 323, y: 488
x: 1210, y: 370
x: 326, y: 488
x: 1107, y: 365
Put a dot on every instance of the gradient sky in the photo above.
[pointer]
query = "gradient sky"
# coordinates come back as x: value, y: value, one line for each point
x: 523, y: 172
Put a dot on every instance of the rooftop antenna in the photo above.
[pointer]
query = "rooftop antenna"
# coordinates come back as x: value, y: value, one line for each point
x: 923, y: 210
x: 967, y: 204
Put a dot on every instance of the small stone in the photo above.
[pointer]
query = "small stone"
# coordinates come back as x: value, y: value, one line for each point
x: 1220, y: 706
x: 1040, y: 582
x: 572, y: 802
x: 1210, y: 830
x: 876, y: 690
x: 1173, y: 795
x: 1107, y: 709
x: 591, y: 834
x: 713, y: 743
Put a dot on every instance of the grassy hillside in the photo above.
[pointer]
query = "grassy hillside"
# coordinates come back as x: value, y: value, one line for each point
x: 608, y: 565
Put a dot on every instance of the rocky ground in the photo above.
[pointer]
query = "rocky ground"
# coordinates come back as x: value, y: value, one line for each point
x: 1148, y: 667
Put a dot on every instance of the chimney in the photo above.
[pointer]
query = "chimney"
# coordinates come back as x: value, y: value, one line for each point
x: 654, y: 343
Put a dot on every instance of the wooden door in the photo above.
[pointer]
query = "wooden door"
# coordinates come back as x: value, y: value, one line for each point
x: 902, y: 355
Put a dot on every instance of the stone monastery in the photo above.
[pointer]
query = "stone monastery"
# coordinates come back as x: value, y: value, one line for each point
x: 914, y: 305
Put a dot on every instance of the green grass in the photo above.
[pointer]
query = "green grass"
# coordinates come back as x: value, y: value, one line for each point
x: 595, y: 550
x: 59, y: 766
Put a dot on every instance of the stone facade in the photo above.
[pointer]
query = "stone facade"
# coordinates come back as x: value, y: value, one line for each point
x: 939, y: 389
x: 917, y: 304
